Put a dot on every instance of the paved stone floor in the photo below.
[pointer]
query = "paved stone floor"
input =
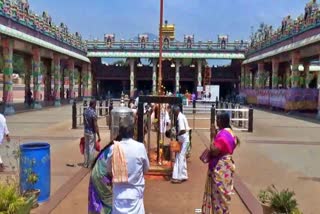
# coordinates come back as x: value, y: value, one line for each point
x: 283, y: 151
x: 160, y: 196
x: 52, y: 125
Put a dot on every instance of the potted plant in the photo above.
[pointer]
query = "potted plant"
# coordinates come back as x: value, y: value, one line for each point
x: 12, y: 202
x: 274, y: 201
x: 264, y: 197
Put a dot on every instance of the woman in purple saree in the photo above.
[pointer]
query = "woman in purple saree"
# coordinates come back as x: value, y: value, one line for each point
x: 100, y: 186
x: 219, y: 184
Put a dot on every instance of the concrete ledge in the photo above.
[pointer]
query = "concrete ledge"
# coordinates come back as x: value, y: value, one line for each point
x: 62, y: 192
x: 252, y: 204
x: 9, y: 109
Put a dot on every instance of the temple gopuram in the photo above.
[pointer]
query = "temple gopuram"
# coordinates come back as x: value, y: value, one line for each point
x: 282, y: 65
x: 185, y: 66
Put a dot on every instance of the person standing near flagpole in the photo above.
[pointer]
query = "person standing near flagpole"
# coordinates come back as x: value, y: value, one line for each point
x: 180, y: 173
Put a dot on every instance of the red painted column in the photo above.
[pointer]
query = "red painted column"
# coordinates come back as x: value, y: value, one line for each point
x: 86, y: 80
x: 57, y: 79
x: 295, y: 74
x: 37, y: 78
x: 71, y: 79
x: 275, y: 76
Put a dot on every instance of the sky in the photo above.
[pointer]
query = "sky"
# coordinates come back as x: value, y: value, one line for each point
x: 204, y: 18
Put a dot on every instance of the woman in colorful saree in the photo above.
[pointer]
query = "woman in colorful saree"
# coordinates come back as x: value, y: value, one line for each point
x: 100, y: 185
x: 219, y: 184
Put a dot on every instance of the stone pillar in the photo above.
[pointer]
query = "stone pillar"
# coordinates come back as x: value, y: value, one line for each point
x: 131, y: 64
x: 37, y: 78
x: 178, y: 65
x: 90, y: 83
x: 288, y: 77
x: 247, y: 76
x: 80, y: 82
x: 93, y: 82
x: 57, y: 79
x: 295, y: 77
x: 27, y: 77
x: 307, y: 74
x: 242, y: 77
x: 199, y: 76
x: 275, y: 73
x: 154, y: 76
x: 47, y: 79
x: 260, y: 76
x: 7, y: 45
x: 62, y: 81
x: 252, y: 79
x: 71, y: 72
x: 86, y: 79
x: 318, y: 87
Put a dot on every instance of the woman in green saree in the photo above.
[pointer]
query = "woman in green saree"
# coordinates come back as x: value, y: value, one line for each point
x: 100, y: 186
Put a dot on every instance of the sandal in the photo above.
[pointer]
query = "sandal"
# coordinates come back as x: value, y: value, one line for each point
x: 175, y: 181
x: 1, y: 167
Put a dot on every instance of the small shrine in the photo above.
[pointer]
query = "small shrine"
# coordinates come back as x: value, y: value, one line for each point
x: 152, y: 123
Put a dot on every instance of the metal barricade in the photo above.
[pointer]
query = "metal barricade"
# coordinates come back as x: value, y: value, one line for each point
x: 198, y: 115
x: 102, y: 111
x: 241, y: 118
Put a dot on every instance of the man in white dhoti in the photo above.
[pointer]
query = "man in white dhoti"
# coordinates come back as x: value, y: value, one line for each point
x: 180, y: 173
x: 128, y: 162
x: 164, y: 119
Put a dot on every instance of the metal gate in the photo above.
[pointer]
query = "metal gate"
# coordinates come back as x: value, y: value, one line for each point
x: 202, y: 115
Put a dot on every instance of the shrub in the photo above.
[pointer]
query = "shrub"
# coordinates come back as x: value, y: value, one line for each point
x: 280, y: 201
x: 11, y: 202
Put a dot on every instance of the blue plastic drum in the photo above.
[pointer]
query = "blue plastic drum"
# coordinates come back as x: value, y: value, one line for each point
x: 35, y: 160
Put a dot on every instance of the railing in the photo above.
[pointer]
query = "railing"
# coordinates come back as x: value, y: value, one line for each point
x: 102, y: 110
x: 135, y: 45
x: 241, y: 117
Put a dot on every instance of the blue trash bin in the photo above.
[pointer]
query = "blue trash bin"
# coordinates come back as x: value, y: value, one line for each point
x: 35, y: 158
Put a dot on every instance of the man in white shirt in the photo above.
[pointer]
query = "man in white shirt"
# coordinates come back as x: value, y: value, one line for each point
x: 4, y: 132
x: 127, y: 162
x: 180, y: 173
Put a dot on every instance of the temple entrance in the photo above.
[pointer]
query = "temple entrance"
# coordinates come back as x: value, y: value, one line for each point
x: 187, y: 85
x: 145, y: 86
x: 114, y: 88
x: 227, y: 89
x: 169, y: 86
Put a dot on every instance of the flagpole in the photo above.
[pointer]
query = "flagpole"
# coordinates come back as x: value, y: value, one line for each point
x: 160, y: 49
x: 160, y: 92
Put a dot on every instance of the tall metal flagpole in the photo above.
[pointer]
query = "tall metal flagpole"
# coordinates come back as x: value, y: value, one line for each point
x: 160, y: 49
x: 160, y: 80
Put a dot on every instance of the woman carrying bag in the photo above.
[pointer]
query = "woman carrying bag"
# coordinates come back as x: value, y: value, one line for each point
x: 219, y: 184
